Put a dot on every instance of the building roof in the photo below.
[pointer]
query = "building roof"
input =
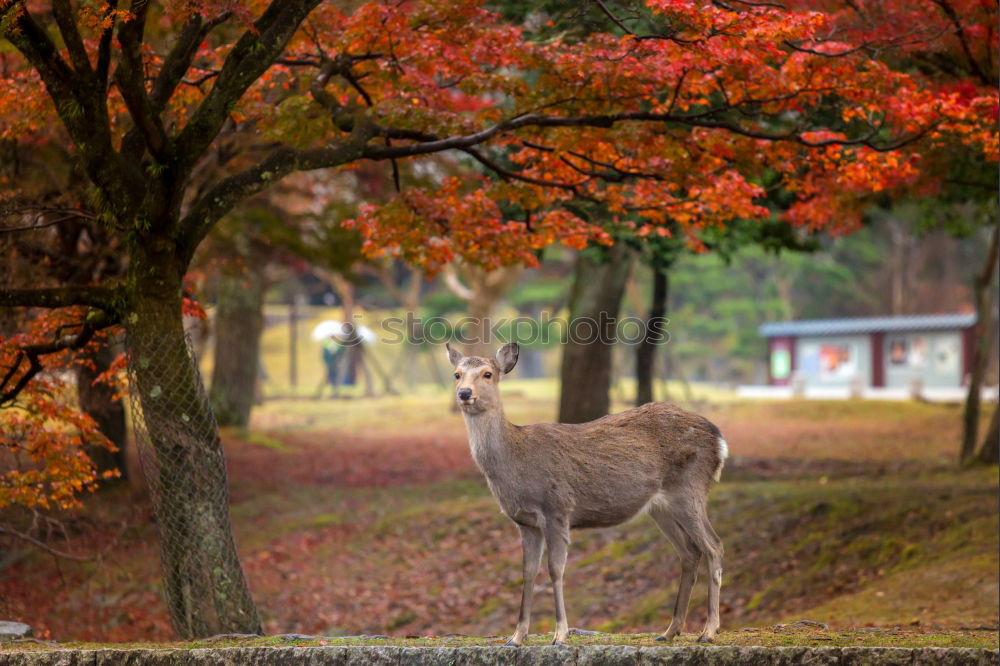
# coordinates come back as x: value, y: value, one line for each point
x: 868, y: 325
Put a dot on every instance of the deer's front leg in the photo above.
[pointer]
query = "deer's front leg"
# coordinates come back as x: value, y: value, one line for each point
x: 531, y: 547
x: 557, y: 542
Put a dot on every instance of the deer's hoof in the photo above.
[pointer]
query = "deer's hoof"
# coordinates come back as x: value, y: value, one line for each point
x: 558, y: 642
x: 705, y: 639
x: 511, y: 643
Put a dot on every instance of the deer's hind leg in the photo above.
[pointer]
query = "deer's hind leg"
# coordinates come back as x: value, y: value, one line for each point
x: 712, y: 547
x: 690, y: 555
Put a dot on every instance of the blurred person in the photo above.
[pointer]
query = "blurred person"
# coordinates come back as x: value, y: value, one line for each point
x: 333, y: 351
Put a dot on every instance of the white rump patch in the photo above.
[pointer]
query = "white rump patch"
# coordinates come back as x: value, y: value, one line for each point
x: 723, y: 454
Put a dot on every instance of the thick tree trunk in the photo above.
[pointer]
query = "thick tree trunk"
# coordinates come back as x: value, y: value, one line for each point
x: 989, y: 452
x: 99, y: 401
x: 182, y: 459
x: 585, y: 375
x: 983, y: 292
x: 645, y: 353
x: 239, y: 321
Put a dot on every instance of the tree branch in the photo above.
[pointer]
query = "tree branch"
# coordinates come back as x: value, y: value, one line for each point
x: 104, y: 46
x: 977, y: 70
x: 43, y: 546
x: 131, y: 82
x: 634, y: 35
x: 33, y: 42
x: 62, y: 11
x: 253, y: 54
x: 178, y: 61
x: 92, y: 323
x: 220, y: 199
x: 424, y: 147
x: 104, y: 298
x: 81, y: 108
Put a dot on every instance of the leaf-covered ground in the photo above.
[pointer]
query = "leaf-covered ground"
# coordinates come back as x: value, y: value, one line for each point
x: 846, y: 513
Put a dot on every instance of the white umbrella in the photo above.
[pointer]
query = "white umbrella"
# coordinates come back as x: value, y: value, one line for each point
x: 325, y: 329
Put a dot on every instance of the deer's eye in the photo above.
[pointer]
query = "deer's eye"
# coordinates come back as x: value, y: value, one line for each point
x: 458, y: 375
x: 487, y: 374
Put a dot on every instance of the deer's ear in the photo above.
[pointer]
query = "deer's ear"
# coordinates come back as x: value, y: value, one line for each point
x: 507, y: 356
x: 454, y: 356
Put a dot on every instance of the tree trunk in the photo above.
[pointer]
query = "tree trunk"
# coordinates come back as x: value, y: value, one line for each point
x: 182, y: 458
x: 100, y: 402
x: 239, y: 321
x: 983, y: 337
x: 645, y: 353
x: 585, y: 375
x: 989, y: 453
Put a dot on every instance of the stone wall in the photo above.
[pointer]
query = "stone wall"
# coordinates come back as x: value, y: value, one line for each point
x: 591, y: 655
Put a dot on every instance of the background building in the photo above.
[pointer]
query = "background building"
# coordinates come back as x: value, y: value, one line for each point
x: 871, y: 352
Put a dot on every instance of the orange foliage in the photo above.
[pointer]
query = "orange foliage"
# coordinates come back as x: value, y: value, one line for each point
x: 43, y: 433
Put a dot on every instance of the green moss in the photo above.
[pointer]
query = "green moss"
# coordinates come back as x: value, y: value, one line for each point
x: 755, y: 601
x: 491, y: 606
x: 400, y: 620
x: 265, y: 440
x: 616, y: 550
x: 777, y: 636
x: 326, y: 520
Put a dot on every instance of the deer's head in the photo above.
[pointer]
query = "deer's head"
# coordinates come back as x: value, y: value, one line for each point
x: 477, y: 378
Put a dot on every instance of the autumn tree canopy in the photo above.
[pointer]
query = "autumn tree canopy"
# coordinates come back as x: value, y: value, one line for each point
x: 672, y: 114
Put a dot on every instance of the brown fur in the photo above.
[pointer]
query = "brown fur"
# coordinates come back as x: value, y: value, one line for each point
x: 550, y: 478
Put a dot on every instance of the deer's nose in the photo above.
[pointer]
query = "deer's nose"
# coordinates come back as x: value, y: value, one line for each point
x: 464, y: 394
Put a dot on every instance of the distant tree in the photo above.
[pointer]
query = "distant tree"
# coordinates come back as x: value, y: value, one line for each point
x: 984, y: 295
x: 661, y: 254
x: 989, y: 451
x: 600, y: 274
x: 291, y: 228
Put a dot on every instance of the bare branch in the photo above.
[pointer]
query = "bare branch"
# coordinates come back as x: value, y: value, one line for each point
x: 660, y: 36
x: 178, y: 61
x: 41, y: 545
x: 773, y: 5
x: 61, y: 297
x: 221, y: 198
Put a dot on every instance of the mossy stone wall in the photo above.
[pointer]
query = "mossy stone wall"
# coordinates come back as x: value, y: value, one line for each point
x: 591, y: 655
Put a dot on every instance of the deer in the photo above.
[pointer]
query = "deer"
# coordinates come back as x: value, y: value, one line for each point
x: 550, y: 478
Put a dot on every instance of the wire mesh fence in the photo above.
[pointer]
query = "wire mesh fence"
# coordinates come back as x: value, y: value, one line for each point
x: 181, y: 458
